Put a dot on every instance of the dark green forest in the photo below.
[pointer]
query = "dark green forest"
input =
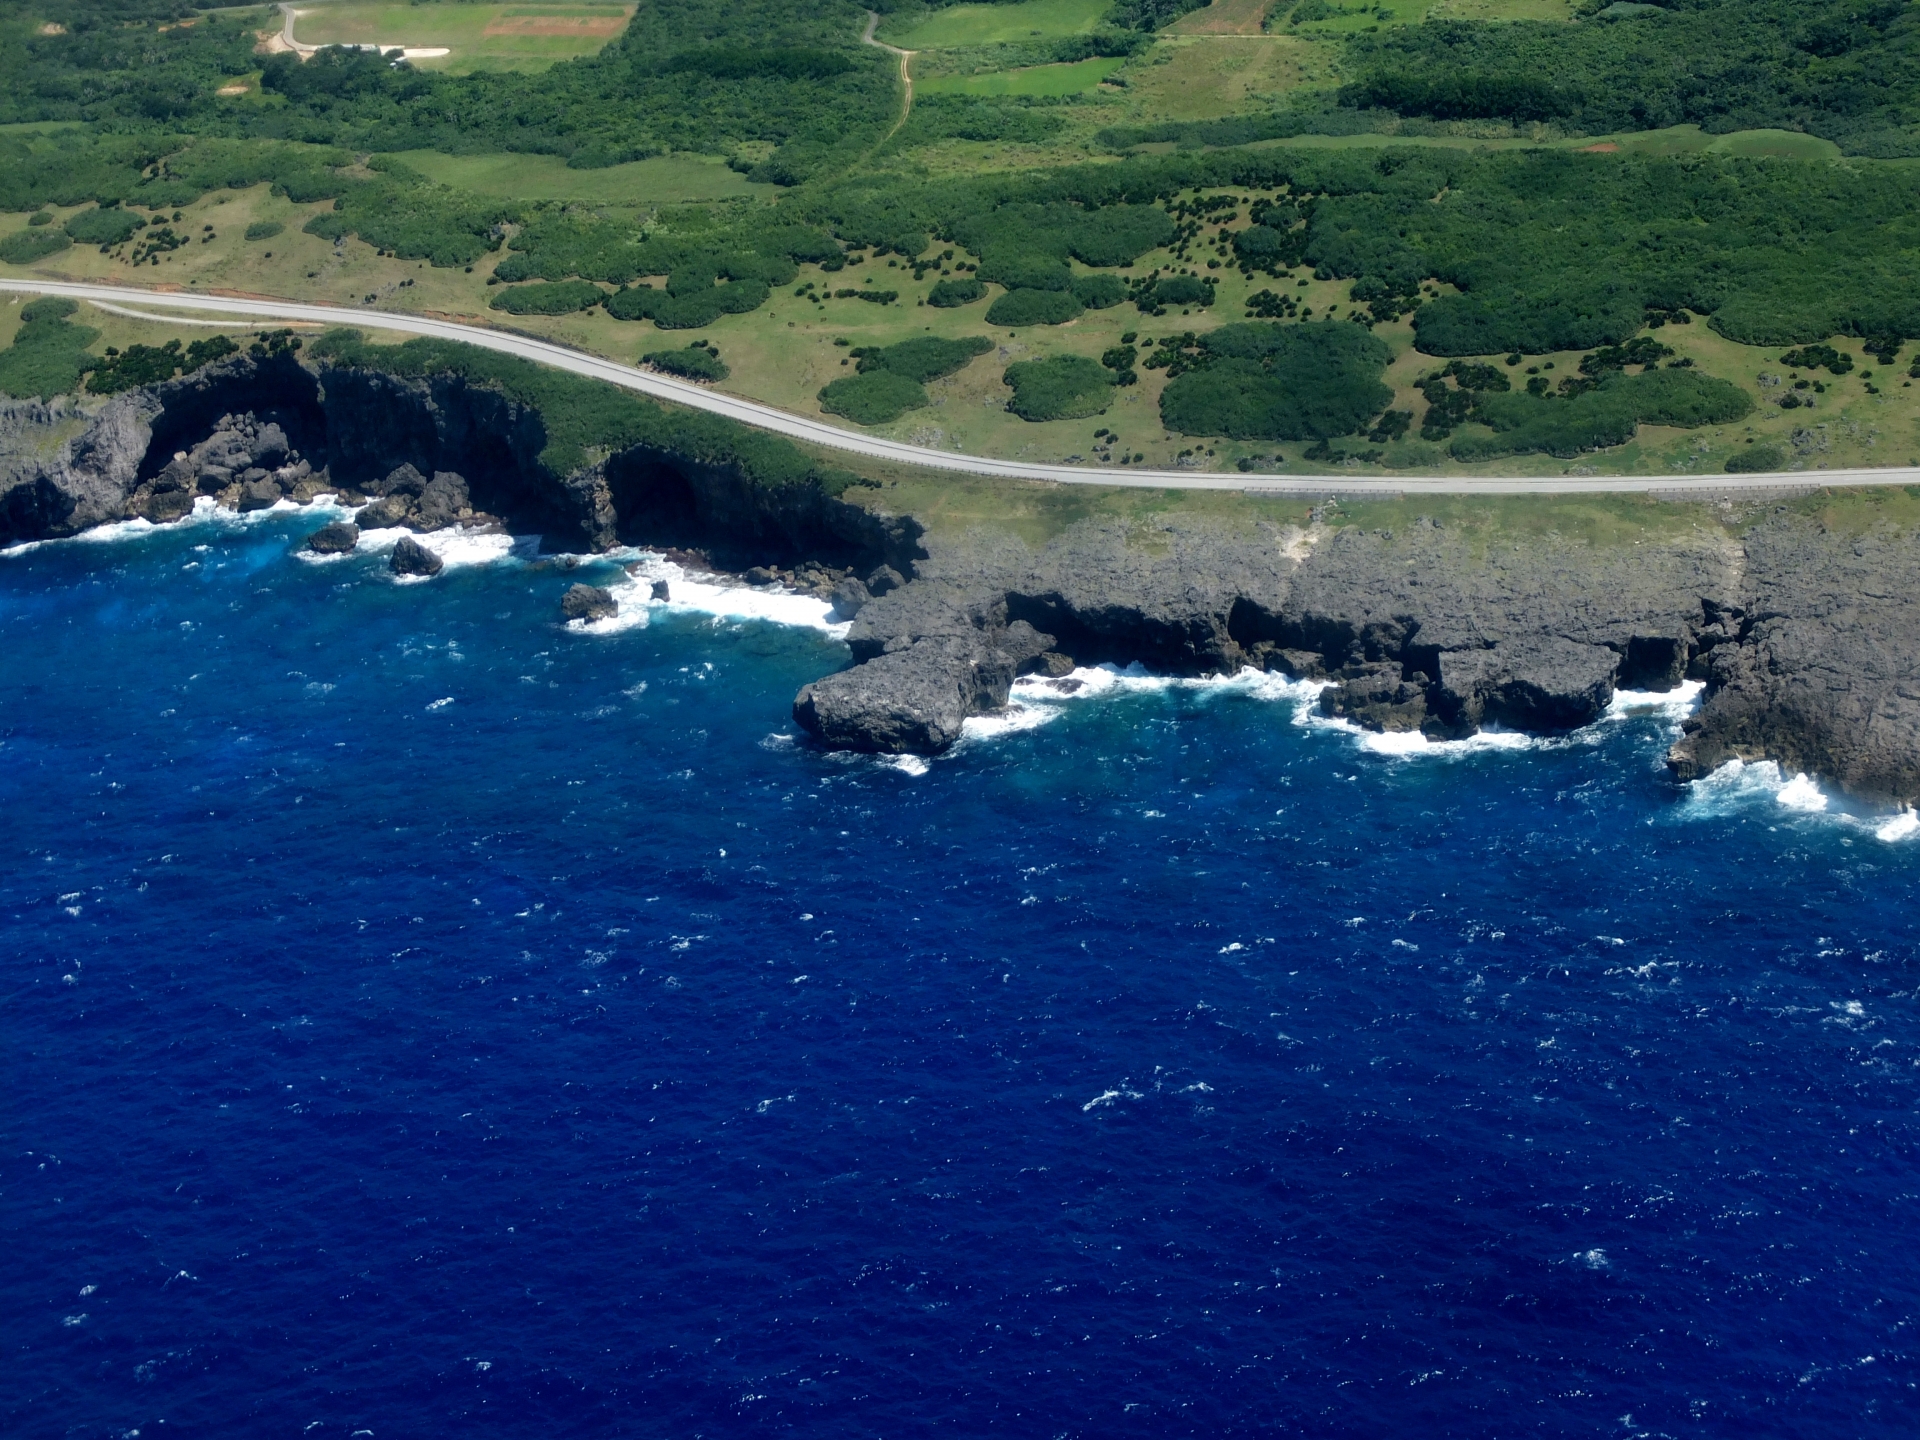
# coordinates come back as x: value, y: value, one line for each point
x: 686, y: 74
x: 1847, y: 70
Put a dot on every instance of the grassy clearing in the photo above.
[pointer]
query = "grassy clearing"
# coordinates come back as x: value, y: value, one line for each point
x: 1210, y: 78
x: 1501, y: 9
x: 999, y: 24
x: 479, y: 37
x: 665, y: 180
x: 1072, y: 79
x: 1228, y: 17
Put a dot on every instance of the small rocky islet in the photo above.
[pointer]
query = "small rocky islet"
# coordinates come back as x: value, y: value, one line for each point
x: 1805, y: 636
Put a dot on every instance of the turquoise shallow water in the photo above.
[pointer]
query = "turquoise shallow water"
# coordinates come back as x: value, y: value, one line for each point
x: 424, y: 1019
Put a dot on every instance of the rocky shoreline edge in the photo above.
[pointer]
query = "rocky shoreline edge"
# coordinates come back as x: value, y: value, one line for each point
x: 1807, y: 638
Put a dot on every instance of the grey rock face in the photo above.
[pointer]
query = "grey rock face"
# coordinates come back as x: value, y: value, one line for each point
x: 849, y: 597
x: 386, y: 513
x: 260, y: 493
x: 410, y: 557
x: 1818, y: 666
x: 1419, y: 630
x: 912, y: 701
x: 1376, y: 697
x: 588, y: 602
x: 443, y: 500
x: 662, y: 591
x: 1540, y: 683
x: 339, y: 538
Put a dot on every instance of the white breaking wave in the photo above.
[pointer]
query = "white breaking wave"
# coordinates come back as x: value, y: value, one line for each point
x: 204, y: 512
x: 1762, y: 789
x: 694, y: 593
x: 455, y: 547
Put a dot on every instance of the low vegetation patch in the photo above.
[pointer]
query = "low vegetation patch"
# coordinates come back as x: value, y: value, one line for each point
x: 25, y: 247
x: 873, y: 398
x: 101, y: 226
x: 951, y: 294
x: 697, y: 361
x: 1606, y: 415
x: 1256, y: 381
x: 1034, y: 307
x: 1755, y: 459
x: 1065, y: 387
x: 924, y: 358
x: 49, y: 353
x: 560, y: 297
x: 150, y: 364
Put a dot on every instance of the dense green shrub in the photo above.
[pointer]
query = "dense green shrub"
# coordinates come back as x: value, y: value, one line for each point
x: 561, y: 297
x: 1157, y: 295
x: 1840, y: 68
x: 1820, y: 357
x: 693, y: 362
x: 970, y: 117
x: 24, y: 247
x: 1034, y: 307
x: 104, y: 226
x: 1604, y: 416
x: 150, y: 364
x: 924, y: 358
x: 264, y: 229
x: 689, y: 310
x: 951, y: 294
x: 1278, y: 382
x: 1099, y: 292
x: 1755, y: 459
x: 1022, y: 271
x: 134, y: 366
x: 1266, y: 247
x: 1065, y: 387
x: 873, y: 398
x: 49, y: 353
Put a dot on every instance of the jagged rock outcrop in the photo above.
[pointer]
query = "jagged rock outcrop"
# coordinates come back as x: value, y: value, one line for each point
x: 588, y: 602
x: 410, y: 557
x: 339, y: 538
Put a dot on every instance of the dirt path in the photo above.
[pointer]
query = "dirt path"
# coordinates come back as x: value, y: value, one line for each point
x: 906, y: 72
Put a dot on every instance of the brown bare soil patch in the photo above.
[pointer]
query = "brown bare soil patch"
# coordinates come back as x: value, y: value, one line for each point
x: 571, y: 25
x: 1605, y: 147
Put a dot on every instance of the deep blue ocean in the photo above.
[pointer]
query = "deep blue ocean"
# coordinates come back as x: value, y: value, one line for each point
x: 425, y: 1020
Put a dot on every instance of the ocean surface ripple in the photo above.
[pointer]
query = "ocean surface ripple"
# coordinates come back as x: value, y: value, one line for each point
x: 424, y: 1018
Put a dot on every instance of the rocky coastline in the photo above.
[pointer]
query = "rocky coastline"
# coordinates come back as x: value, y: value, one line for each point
x: 1807, y: 638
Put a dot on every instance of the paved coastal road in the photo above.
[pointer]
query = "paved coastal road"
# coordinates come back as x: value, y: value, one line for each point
x: 819, y: 432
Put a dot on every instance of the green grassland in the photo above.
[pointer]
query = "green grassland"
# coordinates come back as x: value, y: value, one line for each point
x: 1036, y: 80
x: 959, y: 25
x: 662, y: 180
x: 478, y: 37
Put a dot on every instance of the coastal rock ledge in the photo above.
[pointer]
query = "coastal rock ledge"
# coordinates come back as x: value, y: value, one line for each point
x: 1803, y: 621
x: 1807, y: 638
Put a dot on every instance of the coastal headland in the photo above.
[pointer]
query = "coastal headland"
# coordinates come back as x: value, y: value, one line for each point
x: 1434, y: 615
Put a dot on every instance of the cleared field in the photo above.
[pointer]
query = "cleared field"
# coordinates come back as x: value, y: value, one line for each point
x: 1000, y: 24
x: 1228, y: 17
x: 1033, y: 80
x: 665, y: 180
x: 477, y: 37
x: 1208, y: 78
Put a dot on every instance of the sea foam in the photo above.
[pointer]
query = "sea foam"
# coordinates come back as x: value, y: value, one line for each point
x: 1759, y: 788
x: 698, y: 593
